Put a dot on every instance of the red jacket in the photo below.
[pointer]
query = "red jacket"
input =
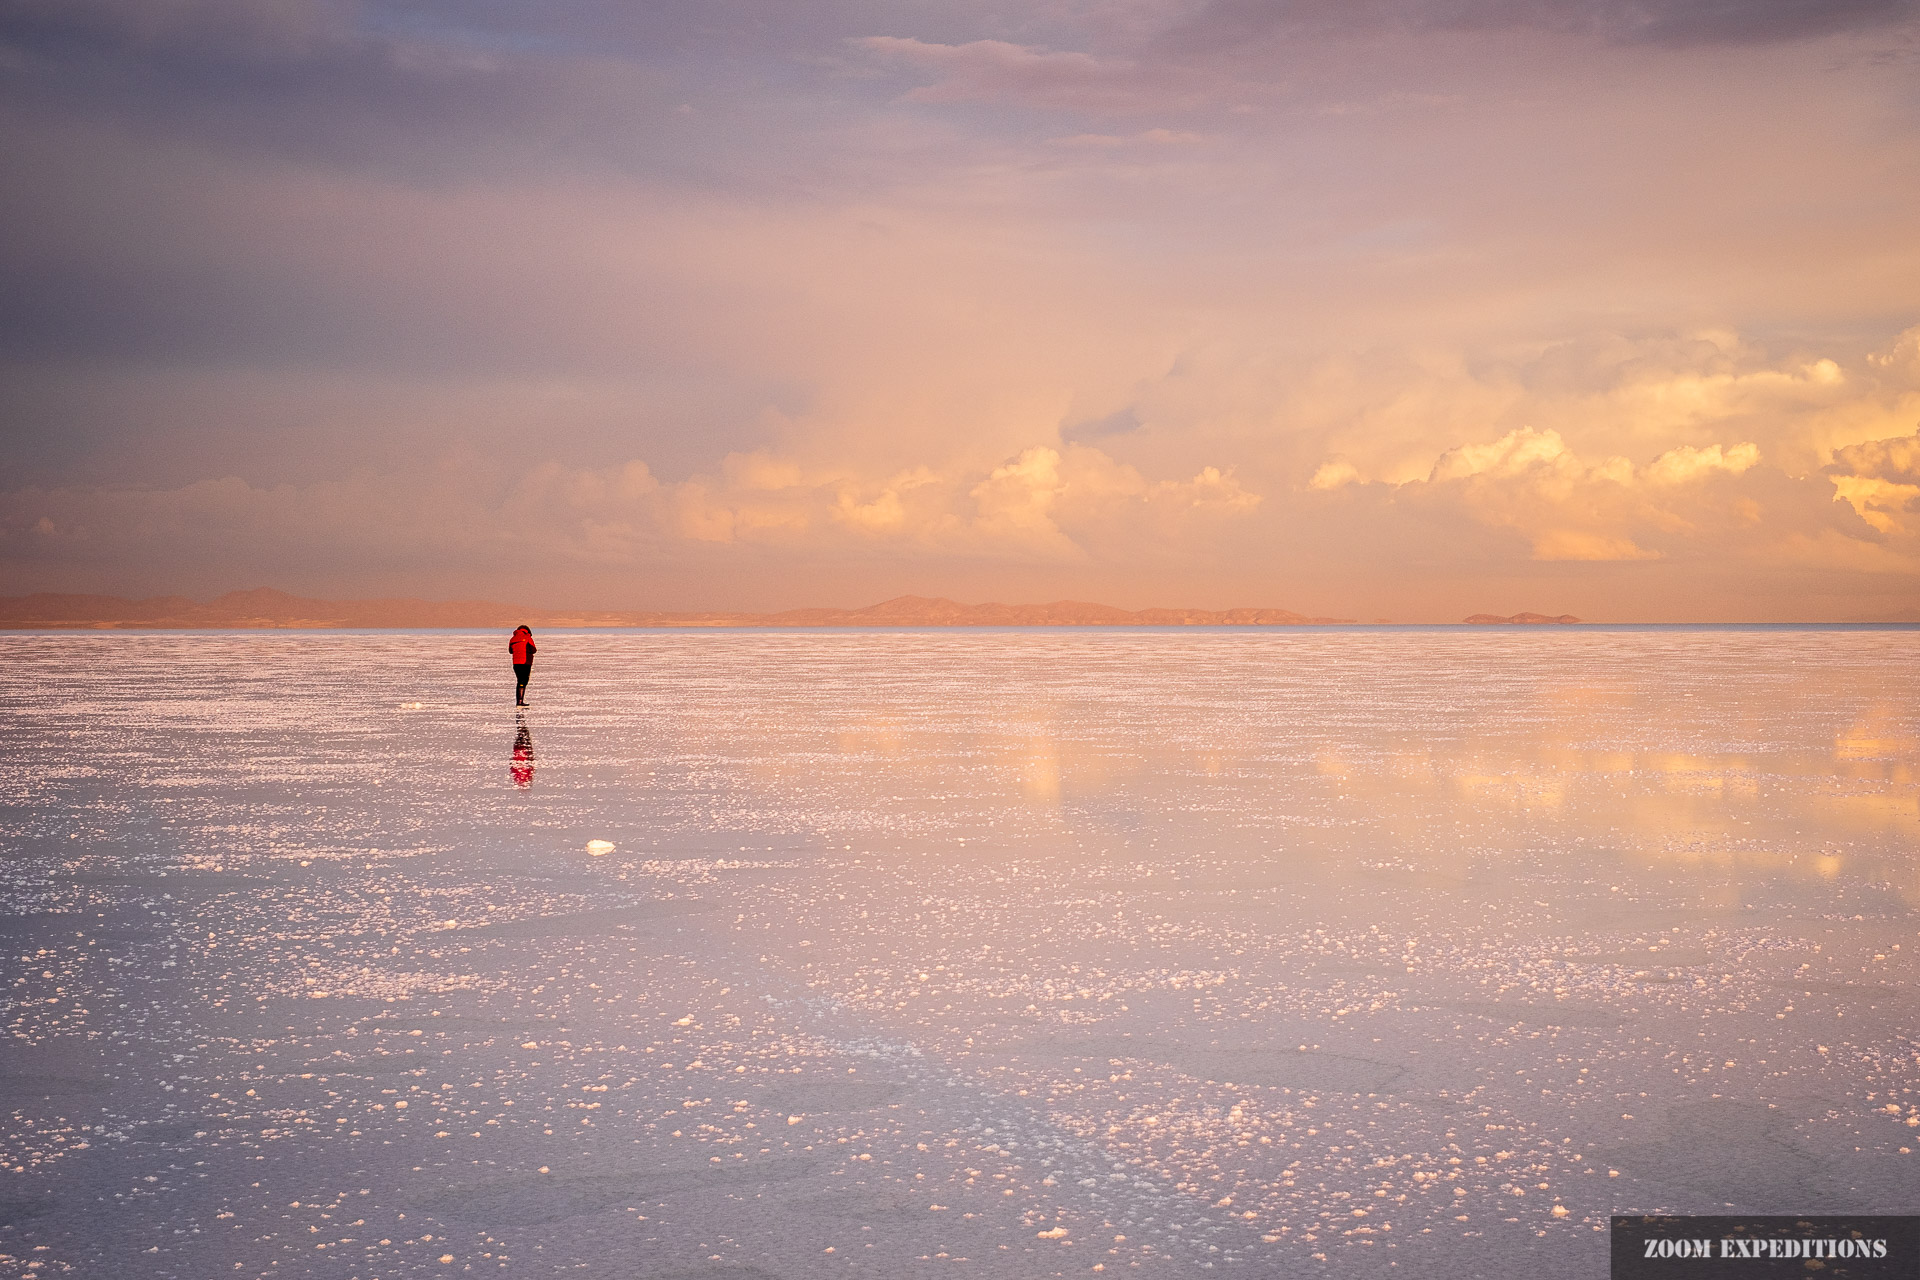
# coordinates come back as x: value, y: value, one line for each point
x: 522, y: 647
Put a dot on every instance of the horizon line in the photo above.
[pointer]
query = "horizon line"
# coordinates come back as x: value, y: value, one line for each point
x: 269, y: 608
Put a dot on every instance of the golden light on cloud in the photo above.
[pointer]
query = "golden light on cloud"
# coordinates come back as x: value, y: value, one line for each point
x: 1122, y: 314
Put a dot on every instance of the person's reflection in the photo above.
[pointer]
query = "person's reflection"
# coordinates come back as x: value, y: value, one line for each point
x: 522, y: 753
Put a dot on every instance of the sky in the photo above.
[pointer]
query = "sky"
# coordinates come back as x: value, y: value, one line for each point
x: 1399, y: 309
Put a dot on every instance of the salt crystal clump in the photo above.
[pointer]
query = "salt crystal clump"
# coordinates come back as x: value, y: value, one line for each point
x: 599, y: 848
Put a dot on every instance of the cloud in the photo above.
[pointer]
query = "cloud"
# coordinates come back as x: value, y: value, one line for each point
x: 1018, y: 499
x: 995, y: 71
x: 1353, y: 308
x: 1519, y: 453
x: 1670, y: 401
x: 1676, y: 23
x: 1049, y: 497
x: 1709, y: 530
x: 883, y: 513
x: 1570, y: 508
x: 1677, y: 466
x: 207, y: 30
x: 1234, y: 53
x: 1211, y: 490
x: 1533, y: 483
x: 1335, y: 473
x: 552, y: 521
x: 346, y: 87
x: 1880, y: 479
x: 1896, y: 460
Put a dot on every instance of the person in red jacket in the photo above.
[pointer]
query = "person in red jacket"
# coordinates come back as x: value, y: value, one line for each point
x: 522, y: 648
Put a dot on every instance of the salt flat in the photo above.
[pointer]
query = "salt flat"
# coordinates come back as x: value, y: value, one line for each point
x: 999, y: 953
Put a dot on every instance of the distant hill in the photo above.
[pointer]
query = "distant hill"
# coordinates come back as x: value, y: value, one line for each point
x: 921, y: 611
x: 265, y: 607
x: 1521, y: 619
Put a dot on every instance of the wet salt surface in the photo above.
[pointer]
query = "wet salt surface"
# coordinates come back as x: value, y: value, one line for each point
x: 997, y: 953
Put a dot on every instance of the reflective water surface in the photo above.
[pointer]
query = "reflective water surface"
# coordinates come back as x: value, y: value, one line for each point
x: 1000, y: 953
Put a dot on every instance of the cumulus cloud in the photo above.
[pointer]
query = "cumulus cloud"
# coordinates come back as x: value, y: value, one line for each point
x: 1211, y: 490
x: 1335, y: 473
x: 1881, y: 480
x: 811, y: 518
x: 1042, y: 503
x: 1521, y: 453
x: 1896, y: 460
x: 1672, y: 402
x: 1361, y: 309
x: 1568, y: 508
x: 1719, y: 502
x: 1677, y: 466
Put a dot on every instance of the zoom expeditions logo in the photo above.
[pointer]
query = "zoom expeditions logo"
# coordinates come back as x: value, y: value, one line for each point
x: 1676, y: 1248
x: 1736, y: 1247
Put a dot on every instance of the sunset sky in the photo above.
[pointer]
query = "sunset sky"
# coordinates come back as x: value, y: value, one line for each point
x: 1374, y: 308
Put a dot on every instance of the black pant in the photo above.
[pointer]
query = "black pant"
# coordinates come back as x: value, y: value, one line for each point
x: 521, y: 670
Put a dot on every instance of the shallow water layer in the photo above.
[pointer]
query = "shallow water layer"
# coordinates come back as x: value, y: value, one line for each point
x: 994, y: 953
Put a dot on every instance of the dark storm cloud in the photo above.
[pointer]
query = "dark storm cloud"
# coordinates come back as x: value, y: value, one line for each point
x: 212, y: 181
x: 251, y: 27
x: 571, y: 77
x: 1229, y: 23
x: 307, y: 82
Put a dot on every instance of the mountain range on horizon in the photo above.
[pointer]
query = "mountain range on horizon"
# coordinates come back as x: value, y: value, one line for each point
x: 265, y: 607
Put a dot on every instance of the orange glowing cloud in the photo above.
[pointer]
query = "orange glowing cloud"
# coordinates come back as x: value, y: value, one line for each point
x: 1405, y: 311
